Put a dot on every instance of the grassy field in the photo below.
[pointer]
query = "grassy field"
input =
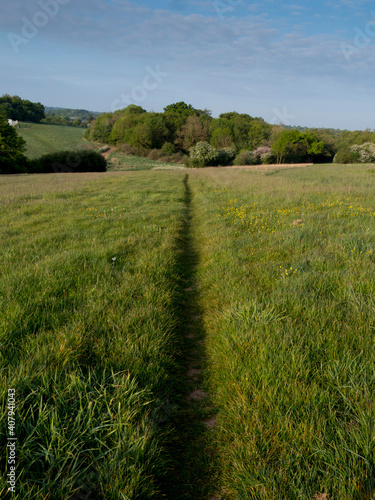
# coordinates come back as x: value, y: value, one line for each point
x: 42, y: 139
x: 289, y: 324
x: 87, y: 329
x: 118, y: 161
x: 196, y: 335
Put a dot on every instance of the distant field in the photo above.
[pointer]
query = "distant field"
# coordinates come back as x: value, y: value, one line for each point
x: 43, y: 139
x: 129, y: 297
x: 120, y: 161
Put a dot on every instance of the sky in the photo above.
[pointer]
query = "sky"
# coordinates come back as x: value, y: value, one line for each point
x: 308, y: 63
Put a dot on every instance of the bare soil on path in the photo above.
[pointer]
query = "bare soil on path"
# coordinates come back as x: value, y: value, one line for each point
x: 107, y: 153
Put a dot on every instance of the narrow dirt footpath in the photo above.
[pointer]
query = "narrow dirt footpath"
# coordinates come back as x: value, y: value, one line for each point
x: 107, y: 153
x: 192, y: 474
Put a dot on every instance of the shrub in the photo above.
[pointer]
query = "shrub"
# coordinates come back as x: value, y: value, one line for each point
x: 226, y: 156
x: 168, y: 148
x: 365, y: 152
x: 346, y: 155
x: 203, y: 155
x: 246, y: 158
x: 69, y: 161
x: 177, y: 158
x: 264, y: 155
x: 155, y: 154
x: 11, y: 166
x: 267, y: 158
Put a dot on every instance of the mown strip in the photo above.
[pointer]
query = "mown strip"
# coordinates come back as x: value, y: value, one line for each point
x: 289, y: 316
x: 87, y: 331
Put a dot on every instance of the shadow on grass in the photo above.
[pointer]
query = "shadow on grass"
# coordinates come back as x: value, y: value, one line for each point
x: 191, y: 475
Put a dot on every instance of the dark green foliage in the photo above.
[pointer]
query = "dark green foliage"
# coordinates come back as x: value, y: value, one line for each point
x: 246, y: 158
x: 12, y: 147
x: 168, y: 148
x: 346, y: 155
x: 15, y: 108
x: 293, y: 146
x: 69, y: 161
x: 225, y: 156
x: 222, y: 137
x: 102, y: 128
x: 259, y: 133
x: 180, y: 108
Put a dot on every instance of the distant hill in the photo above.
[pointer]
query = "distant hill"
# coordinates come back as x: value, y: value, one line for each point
x: 69, y: 116
x: 43, y: 139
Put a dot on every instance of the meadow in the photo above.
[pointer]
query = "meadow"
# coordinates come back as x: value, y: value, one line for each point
x: 190, y: 334
x: 42, y: 139
x: 87, y: 328
x: 287, y: 289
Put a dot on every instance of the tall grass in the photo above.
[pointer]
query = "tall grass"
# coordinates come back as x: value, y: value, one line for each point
x: 87, y: 331
x: 289, y: 315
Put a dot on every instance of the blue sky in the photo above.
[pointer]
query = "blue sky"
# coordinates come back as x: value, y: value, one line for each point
x: 306, y: 63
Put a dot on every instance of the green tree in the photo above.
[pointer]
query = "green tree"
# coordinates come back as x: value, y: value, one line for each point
x: 222, y: 137
x: 259, y: 134
x: 295, y: 146
x: 12, y: 148
x: 102, y: 128
x: 195, y: 130
x: 19, y: 109
x: 176, y: 116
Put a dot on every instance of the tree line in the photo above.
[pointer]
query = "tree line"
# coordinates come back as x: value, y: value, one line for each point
x: 183, y: 131
x: 15, y: 108
x: 69, y: 116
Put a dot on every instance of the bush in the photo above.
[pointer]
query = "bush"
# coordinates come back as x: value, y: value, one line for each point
x: 346, y: 155
x: 203, y: 155
x: 155, y: 154
x: 11, y: 166
x: 226, y: 156
x: 127, y: 149
x: 69, y: 161
x: 246, y: 158
x: 168, y: 148
x: 267, y: 158
x: 365, y: 152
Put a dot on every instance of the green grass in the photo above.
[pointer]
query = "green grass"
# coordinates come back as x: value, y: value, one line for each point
x: 115, y: 285
x: 289, y: 321
x: 87, y: 330
x: 42, y: 139
x: 120, y: 161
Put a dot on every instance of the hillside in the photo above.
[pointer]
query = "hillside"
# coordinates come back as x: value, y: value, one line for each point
x: 42, y: 139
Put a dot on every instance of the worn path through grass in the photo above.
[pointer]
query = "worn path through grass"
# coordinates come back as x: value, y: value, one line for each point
x: 192, y: 473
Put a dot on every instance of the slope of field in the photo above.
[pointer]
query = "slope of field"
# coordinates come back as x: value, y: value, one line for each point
x: 87, y: 336
x: 43, y: 139
x: 287, y: 288
x: 121, y: 161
